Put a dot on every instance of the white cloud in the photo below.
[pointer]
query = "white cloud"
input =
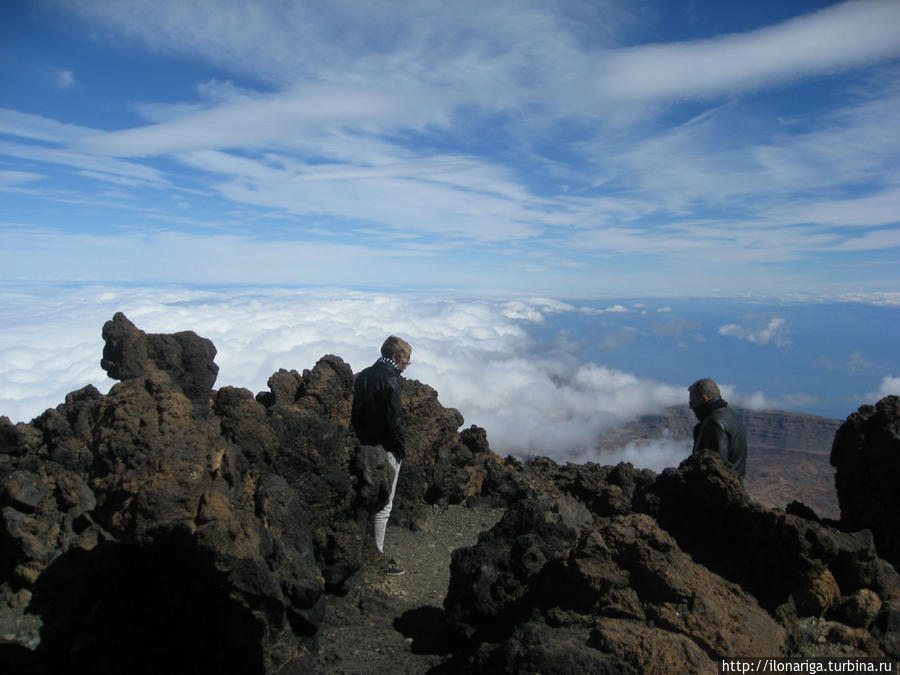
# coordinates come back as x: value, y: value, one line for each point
x: 65, y: 79
x: 39, y: 128
x: 759, y: 401
x: 866, y: 211
x: 858, y: 362
x: 656, y: 454
x: 779, y: 180
x: 277, y: 117
x: 883, y: 298
x: 385, y: 125
x: 855, y: 33
x: 498, y: 51
x: 451, y: 196
x: 876, y: 240
x: 453, y: 45
x: 612, y: 309
x: 890, y: 386
x: 15, y: 178
x: 773, y: 331
x: 100, y: 166
x: 476, y: 353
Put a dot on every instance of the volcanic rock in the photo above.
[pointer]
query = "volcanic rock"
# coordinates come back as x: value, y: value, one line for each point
x: 780, y: 557
x: 605, y: 583
x: 866, y: 456
x: 185, y: 357
x: 131, y: 519
x: 170, y: 527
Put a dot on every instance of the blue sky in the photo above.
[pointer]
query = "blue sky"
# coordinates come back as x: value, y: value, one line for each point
x: 448, y: 160
x: 642, y: 148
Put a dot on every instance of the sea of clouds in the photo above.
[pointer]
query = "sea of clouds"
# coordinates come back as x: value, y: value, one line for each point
x: 479, y: 354
x: 482, y: 355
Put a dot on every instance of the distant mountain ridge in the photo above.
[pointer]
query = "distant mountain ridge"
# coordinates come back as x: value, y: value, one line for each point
x: 788, y: 452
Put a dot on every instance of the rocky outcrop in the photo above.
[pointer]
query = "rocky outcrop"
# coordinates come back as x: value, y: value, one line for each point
x: 795, y: 567
x: 866, y: 456
x: 638, y: 572
x: 214, y: 522
x: 610, y: 589
x: 185, y: 358
x: 167, y: 522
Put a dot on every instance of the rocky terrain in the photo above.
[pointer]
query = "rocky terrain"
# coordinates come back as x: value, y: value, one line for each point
x: 789, y: 452
x: 170, y: 527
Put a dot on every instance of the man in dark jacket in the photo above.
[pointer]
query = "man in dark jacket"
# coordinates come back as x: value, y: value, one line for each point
x: 377, y: 419
x: 719, y: 430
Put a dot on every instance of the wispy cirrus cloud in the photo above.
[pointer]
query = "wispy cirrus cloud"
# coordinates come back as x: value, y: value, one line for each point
x: 576, y: 147
x: 855, y: 32
x: 277, y: 118
x: 458, y: 46
x: 102, y: 166
x: 37, y: 127
x: 15, y: 178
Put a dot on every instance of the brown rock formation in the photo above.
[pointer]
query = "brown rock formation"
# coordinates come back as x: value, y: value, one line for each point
x: 130, y: 517
x: 167, y: 523
x: 667, y: 573
x: 620, y: 583
x: 185, y: 357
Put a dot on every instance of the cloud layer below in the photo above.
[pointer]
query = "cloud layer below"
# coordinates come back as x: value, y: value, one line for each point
x: 476, y: 353
x: 533, y: 393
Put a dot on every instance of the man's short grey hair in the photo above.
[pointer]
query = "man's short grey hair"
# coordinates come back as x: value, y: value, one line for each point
x: 395, y: 346
x: 705, y: 387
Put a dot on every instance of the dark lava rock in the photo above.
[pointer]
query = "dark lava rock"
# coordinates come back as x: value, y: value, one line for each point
x: 166, y: 519
x: 619, y: 593
x: 131, y: 353
x: 866, y: 456
x: 168, y: 527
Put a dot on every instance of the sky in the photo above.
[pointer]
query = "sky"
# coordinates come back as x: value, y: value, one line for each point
x: 429, y: 165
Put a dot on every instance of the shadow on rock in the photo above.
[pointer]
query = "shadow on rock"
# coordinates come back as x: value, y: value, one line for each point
x: 866, y: 457
x: 127, y: 609
x: 428, y: 628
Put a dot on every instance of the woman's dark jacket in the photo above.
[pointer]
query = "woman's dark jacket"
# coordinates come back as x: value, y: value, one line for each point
x: 377, y: 413
x: 721, y: 431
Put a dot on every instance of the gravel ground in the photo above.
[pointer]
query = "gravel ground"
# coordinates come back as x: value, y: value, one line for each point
x: 370, y: 630
x: 388, y: 625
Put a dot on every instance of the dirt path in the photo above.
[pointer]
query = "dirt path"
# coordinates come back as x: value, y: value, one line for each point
x: 363, y: 632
